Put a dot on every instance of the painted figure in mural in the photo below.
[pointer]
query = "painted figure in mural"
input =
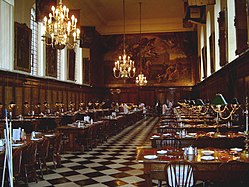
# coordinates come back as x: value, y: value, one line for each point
x: 171, y: 74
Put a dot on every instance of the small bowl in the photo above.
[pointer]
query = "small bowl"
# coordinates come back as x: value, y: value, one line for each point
x: 162, y: 152
x: 207, y: 152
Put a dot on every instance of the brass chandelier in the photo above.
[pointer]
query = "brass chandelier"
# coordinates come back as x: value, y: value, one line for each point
x: 59, y: 30
x: 124, y: 66
x: 141, y: 78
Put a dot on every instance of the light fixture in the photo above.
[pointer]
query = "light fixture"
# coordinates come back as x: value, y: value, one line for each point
x: 124, y: 66
x: 141, y: 78
x: 220, y: 106
x: 59, y: 30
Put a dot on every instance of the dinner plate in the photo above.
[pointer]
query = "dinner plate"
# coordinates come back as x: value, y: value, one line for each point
x: 167, y: 134
x: 241, y: 132
x: 48, y: 135
x: 155, y: 136
x: 17, y: 144
x: 192, y: 133
x: 221, y: 136
x: 150, y: 157
x: 207, y: 158
x: 236, y: 149
x: 188, y: 136
x: 162, y: 152
x: 36, y: 139
x: 207, y: 152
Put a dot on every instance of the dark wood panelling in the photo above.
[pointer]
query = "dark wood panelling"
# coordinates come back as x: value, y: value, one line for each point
x: 8, y: 95
x: 19, y: 100
x: 20, y: 88
x: 231, y: 81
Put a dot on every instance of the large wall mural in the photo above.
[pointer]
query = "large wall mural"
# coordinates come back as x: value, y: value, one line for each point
x: 167, y: 58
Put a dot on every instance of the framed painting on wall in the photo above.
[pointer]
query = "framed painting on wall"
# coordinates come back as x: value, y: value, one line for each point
x: 71, y: 64
x: 204, y: 60
x: 211, y: 45
x: 51, y: 61
x: 22, y: 47
x: 43, y: 8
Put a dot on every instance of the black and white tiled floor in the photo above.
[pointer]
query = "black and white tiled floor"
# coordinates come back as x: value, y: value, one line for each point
x: 111, y: 164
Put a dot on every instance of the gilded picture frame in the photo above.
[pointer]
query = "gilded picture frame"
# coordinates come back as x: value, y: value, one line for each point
x: 51, y: 61
x: 22, y: 47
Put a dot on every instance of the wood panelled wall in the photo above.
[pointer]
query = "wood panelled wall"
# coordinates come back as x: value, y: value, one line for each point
x: 21, y: 88
x: 232, y: 81
x: 150, y: 95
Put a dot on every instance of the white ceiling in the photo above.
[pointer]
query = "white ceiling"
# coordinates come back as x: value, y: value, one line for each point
x: 107, y: 15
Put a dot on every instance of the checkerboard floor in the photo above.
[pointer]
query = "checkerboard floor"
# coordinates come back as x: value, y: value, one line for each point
x: 112, y: 163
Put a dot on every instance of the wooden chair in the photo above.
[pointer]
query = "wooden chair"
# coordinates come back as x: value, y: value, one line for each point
x: 42, y: 155
x: 237, y: 142
x: 203, y: 142
x: 233, y: 173
x: 88, y: 139
x: 171, y: 142
x: 17, y: 160
x: 180, y: 174
x: 57, y: 146
x: 168, y: 130
x: 102, y: 132
x: 29, y: 162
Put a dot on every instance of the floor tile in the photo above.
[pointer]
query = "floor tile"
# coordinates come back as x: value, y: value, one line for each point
x: 111, y: 164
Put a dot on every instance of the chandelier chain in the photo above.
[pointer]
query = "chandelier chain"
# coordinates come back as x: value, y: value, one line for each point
x: 141, y: 78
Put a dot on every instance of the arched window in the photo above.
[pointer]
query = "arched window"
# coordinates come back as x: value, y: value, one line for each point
x: 231, y: 31
x: 216, y: 31
x: 34, y: 43
x: 208, y: 34
x: 202, y: 44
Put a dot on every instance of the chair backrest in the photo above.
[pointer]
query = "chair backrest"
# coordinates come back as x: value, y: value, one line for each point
x: 29, y: 154
x: 168, y: 130
x: 234, y: 173
x: 180, y: 174
x: 17, y: 159
x: 203, y: 142
x: 237, y: 142
x: 42, y: 148
x: 58, y: 143
x: 171, y: 142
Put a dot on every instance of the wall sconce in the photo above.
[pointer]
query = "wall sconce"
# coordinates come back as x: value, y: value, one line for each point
x: 220, y: 107
x: 113, y: 91
x: 26, y: 104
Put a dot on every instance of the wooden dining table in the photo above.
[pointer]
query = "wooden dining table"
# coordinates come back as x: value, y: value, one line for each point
x: 220, y: 140
x: 207, y: 166
x: 196, y: 128
x: 71, y: 132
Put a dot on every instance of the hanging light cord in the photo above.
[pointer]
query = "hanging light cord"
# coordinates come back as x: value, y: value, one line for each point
x: 124, y: 22
x: 140, y: 56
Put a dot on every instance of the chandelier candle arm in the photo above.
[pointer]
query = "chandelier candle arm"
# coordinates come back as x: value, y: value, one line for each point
x: 59, y: 30
x: 124, y: 67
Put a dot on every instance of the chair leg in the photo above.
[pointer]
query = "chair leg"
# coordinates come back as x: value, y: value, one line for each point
x: 40, y: 167
x: 26, y: 175
x: 35, y: 175
x: 45, y: 164
x: 54, y: 162
x: 159, y: 183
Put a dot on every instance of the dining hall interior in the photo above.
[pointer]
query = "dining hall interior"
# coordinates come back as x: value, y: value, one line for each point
x: 124, y: 93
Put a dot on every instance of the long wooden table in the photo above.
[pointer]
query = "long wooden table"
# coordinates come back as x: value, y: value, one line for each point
x: 206, y: 169
x: 204, y: 139
x: 199, y: 127
x: 71, y: 133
